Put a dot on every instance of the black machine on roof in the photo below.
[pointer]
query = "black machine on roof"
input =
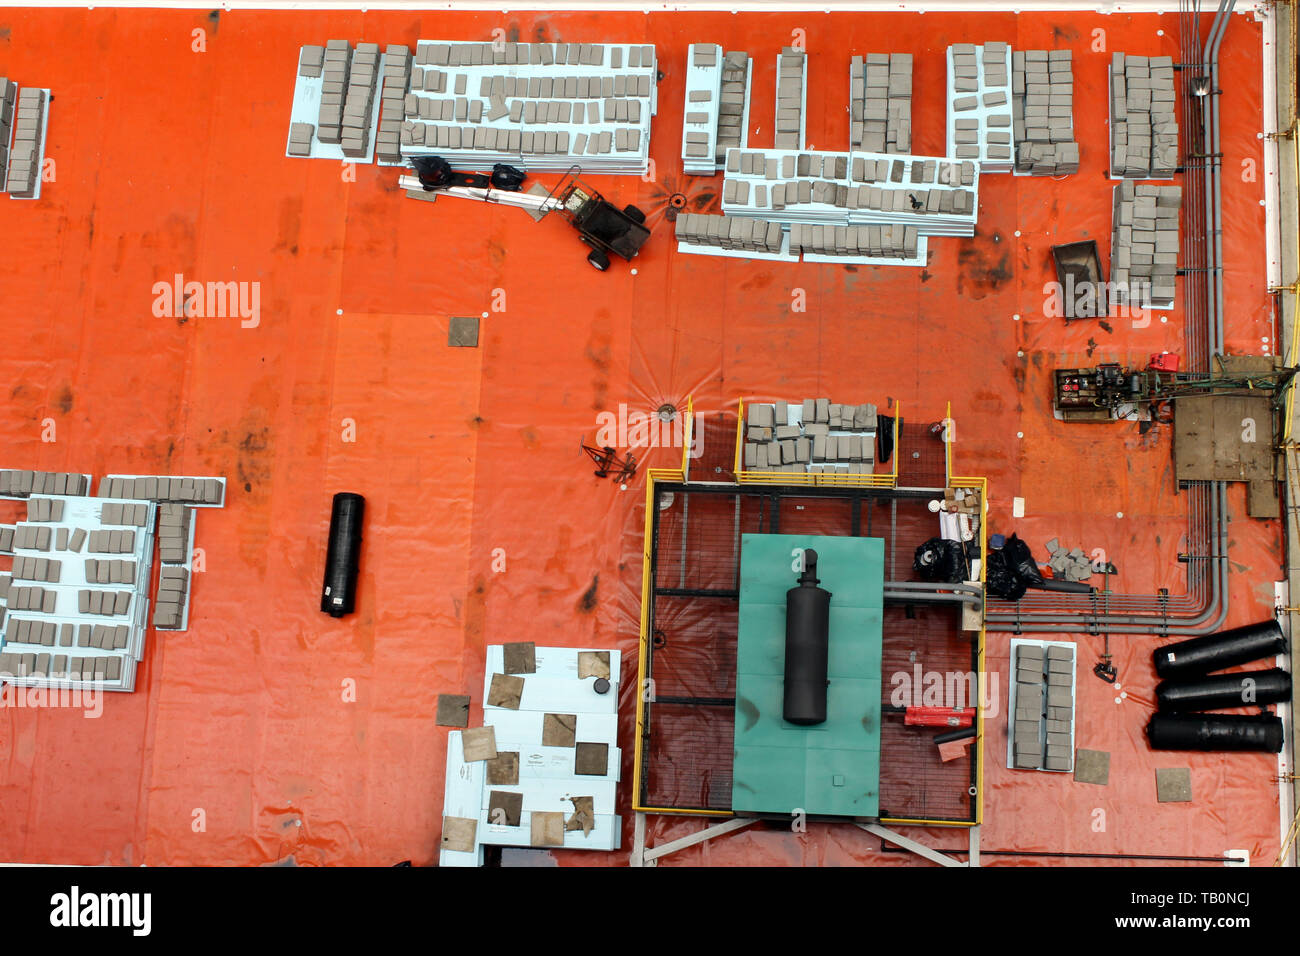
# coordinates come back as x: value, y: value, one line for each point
x: 600, y: 224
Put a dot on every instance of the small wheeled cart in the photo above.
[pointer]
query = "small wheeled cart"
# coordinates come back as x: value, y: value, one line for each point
x: 600, y: 224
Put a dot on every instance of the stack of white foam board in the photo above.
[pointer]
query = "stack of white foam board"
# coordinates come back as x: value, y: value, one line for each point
x: 1145, y: 243
x: 26, y: 153
x: 542, y: 106
x: 880, y: 103
x: 83, y: 625
x: 1143, y: 117
x: 1043, y: 89
x: 936, y: 196
x: 791, y: 98
x: 548, y: 746
x: 335, y: 109
x: 700, y: 119
x: 979, y: 105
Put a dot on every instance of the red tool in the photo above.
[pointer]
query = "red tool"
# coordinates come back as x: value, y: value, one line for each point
x: 1163, y: 362
x: 939, y: 716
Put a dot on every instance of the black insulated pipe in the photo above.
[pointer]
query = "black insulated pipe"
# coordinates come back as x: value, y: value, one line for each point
x: 1221, y: 691
x: 342, y: 559
x: 807, y: 647
x: 1215, y: 652
x: 1215, y: 732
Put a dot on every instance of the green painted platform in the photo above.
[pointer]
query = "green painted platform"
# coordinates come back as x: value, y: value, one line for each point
x: 831, y: 769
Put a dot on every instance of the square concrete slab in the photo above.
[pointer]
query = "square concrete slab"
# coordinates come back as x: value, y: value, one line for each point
x: 593, y: 664
x: 504, y: 770
x: 547, y: 829
x: 520, y: 657
x: 480, y: 743
x: 462, y: 332
x: 504, y: 808
x: 559, y: 730
x: 1174, y: 785
x: 458, y: 833
x: 591, y: 760
x: 453, y: 710
x: 1092, y: 766
x: 505, y: 691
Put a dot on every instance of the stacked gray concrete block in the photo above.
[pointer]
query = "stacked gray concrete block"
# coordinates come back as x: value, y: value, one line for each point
x: 1042, y: 726
x: 791, y: 90
x: 397, y: 80
x: 100, y: 571
x: 8, y: 99
x: 190, y: 491
x: 880, y: 103
x: 547, y: 106
x: 734, y: 233
x: 1060, y: 709
x: 44, y: 509
x: 980, y: 120
x: 1027, y: 721
x: 60, y: 667
x: 21, y: 484
x: 814, y: 436
x: 1145, y: 244
x: 45, y: 570
x: 934, y: 195
x: 172, y: 599
x: 359, y: 101
x: 703, y: 99
x: 334, y: 87
x: 856, y: 242
x: 174, y: 533
x: 24, y: 173
x: 311, y: 61
x: 1143, y: 117
x: 135, y: 514
x: 300, y: 137
x: 1042, y: 84
x: 733, y: 104
x: 1068, y: 564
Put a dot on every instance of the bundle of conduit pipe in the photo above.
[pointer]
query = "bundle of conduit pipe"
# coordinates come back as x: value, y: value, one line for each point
x: 1189, y: 687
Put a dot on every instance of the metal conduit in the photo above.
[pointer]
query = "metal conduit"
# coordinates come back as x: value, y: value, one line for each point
x: 1204, y: 607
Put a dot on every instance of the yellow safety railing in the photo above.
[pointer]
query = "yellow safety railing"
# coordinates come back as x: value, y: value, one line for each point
x: 981, y: 485
x: 813, y: 479
x: 890, y: 480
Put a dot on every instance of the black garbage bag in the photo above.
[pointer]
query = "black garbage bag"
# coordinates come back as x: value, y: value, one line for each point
x: 940, y: 560
x: 1022, y: 560
x: 1000, y: 578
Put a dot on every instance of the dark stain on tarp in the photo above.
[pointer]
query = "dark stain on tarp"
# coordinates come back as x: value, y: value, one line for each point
x: 587, y: 603
x: 214, y: 18
x: 290, y: 224
x: 983, y: 267
x: 63, y: 401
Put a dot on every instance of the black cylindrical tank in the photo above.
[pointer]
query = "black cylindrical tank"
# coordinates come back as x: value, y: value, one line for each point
x: 1214, y: 652
x: 807, y: 646
x: 1215, y: 732
x: 339, y: 596
x: 1219, y: 691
